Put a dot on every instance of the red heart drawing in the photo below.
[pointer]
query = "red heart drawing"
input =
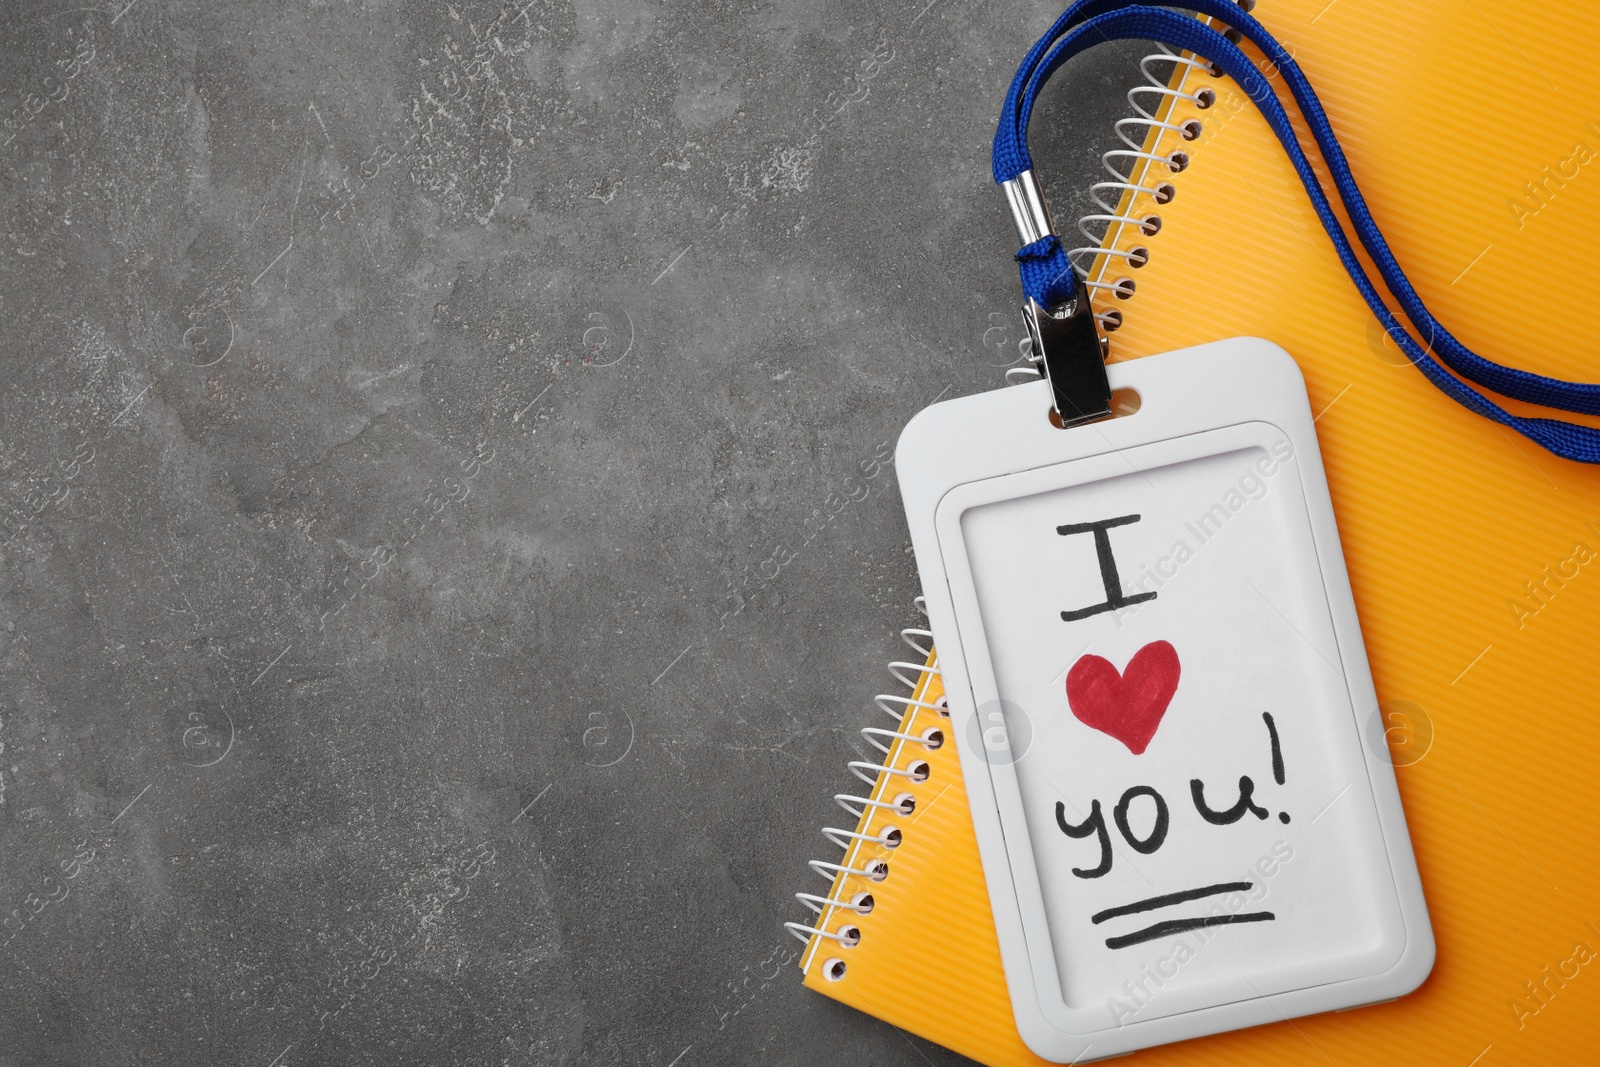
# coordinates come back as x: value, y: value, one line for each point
x: 1128, y: 706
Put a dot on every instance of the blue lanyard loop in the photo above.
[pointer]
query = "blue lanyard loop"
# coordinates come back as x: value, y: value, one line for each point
x: 1048, y: 277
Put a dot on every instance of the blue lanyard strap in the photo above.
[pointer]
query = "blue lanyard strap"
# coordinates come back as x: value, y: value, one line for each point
x: 1049, y: 279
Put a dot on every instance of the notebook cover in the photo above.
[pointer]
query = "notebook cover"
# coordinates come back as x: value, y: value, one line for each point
x: 1470, y: 130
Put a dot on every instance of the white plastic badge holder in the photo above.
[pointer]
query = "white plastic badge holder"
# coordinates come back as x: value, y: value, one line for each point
x: 1162, y: 705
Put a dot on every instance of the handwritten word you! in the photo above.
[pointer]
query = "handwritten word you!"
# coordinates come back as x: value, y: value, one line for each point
x: 1160, y: 820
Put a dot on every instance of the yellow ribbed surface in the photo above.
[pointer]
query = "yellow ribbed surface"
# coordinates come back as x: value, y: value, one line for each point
x: 1446, y: 108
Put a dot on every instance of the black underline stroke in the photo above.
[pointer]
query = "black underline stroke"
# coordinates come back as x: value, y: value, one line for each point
x: 1178, y: 926
x: 1170, y: 898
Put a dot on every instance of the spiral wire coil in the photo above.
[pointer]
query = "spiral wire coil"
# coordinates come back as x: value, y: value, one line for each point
x: 1135, y: 184
x: 919, y: 724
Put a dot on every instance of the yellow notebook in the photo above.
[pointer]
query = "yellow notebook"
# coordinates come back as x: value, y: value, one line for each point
x: 1472, y: 129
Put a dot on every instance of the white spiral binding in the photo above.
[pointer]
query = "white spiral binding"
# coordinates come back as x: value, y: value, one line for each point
x: 904, y: 709
x: 1160, y: 193
x: 1108, y: 195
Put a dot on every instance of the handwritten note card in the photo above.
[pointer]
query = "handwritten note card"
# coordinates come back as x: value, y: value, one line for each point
x: 1180, y: 680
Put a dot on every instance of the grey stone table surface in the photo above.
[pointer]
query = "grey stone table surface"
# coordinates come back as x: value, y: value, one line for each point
x: 445, y: 559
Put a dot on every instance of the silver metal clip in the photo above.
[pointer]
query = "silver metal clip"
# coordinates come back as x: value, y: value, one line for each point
x: 1071, y: 357
x: 1067, y: 349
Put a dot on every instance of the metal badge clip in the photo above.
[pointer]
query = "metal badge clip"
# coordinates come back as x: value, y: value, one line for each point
x: 1067, y: 349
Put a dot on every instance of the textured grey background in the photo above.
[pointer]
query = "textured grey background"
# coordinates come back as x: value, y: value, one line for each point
x: 445, y: 564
